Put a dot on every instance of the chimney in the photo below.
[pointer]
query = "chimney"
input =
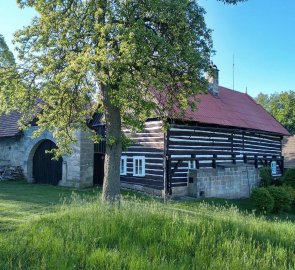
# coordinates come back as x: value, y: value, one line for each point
x: 212, y: 78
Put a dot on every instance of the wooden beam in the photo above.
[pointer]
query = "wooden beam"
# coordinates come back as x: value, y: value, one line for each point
x: 256, y: 161
x: 234, y: 158
x: 214, y: 161
x: 245, y: 158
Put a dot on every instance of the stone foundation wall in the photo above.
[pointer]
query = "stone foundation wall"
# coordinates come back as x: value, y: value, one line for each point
x: 143, y: 189
x: 11, y: 172
x: 226, y: 181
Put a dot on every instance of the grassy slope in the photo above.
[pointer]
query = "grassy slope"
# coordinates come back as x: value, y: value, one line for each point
x: 138, y: 235
x: 20, y: 202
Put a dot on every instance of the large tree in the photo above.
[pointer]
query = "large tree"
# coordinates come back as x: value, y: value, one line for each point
x: 80, y: 56
x: 281, y: 106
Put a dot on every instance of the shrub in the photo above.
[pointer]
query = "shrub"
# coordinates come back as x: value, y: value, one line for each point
x: 278, y: 181
x: 291, y: 191
x: 289, y: 177
x: 282, y: 198
x: 265, y: 176
x: 262, y: 199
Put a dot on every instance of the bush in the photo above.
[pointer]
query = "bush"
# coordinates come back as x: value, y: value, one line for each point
x: 289, y: 177
x: 262, y: 199
x: 265, y: 176
x: 282, y: 198
x: 278, y: 181
x: 291, y: 191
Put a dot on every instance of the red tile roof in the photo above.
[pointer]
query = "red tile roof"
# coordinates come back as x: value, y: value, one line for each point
x: 234, y: 109
x: 8, y: 125
x: 230, y: 108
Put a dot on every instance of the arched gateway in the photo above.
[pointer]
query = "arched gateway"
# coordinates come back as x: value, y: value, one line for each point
x: 46, y: 170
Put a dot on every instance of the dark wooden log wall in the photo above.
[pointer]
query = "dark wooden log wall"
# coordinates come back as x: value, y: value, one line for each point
x: 148, y: 143
x: 212, y: 145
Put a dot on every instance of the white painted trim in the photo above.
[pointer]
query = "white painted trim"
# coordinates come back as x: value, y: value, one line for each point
x: 124, y: 160
x: 139, y: 152
x: 142, y: 158
x: 191, y: 165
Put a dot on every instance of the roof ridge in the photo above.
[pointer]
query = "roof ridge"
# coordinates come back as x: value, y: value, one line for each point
x: 237, y: 91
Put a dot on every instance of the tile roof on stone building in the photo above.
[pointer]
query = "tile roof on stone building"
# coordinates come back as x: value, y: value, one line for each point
x: 8, y: 125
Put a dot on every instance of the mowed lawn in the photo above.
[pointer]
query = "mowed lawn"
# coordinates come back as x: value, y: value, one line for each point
x: 46, y: 227
x: 21, y: 202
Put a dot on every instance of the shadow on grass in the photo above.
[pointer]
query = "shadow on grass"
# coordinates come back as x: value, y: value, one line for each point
x: 244, y: 206
x: 40, y: 194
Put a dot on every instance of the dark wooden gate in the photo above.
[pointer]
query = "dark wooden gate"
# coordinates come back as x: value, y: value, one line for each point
x: 46, y: 170
x: 98, y: 169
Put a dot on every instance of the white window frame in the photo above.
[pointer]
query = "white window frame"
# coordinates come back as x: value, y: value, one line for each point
x: 191, y: 164
x: 137, y: 158
x: 124, y: 160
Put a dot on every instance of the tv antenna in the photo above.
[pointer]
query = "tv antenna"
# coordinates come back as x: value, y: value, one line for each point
x: 233, y: 72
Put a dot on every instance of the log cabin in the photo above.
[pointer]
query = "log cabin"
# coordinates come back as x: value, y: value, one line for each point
x: 214, y: 151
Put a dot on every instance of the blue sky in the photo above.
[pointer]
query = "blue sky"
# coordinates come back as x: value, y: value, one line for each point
x: 260, y: 33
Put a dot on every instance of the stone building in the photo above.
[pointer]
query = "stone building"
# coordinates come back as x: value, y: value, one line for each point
x: 20, y: 149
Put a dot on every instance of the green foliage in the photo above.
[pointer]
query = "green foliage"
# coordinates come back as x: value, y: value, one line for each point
x: 291, y: 192
x: 282, y: 198
x: 75, y: 52
x: 126, y: 142
x: 281, y: 106
x: 262, y: 199
x: 289, y: 177
x: 265, y: 176
x: 6, y: 56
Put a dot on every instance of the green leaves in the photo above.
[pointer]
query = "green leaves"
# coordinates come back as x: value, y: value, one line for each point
x: 141, y: 50
x: 6, y: 56
x: 281, y: 106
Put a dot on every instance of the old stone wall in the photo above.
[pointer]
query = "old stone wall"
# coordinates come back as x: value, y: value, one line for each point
x: 226, y: 181
x: 78, y: 167
x: 77, y: 170
x: 11, y: 151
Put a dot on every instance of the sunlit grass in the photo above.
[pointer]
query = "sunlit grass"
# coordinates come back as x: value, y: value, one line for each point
x: 83, y: 233
x: 87, y: 234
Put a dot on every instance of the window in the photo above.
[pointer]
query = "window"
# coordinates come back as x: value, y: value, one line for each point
x: 192, y: 165
x: 123, y: 165
x: 138, y: 166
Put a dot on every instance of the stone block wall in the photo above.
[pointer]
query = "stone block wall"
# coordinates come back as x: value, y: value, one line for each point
x: 77, y: 170
x: 78, y: 167
x: 226, y: 181
x: 11, y: 151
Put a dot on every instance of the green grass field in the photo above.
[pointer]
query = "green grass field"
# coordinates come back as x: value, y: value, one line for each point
x: 44, y: 227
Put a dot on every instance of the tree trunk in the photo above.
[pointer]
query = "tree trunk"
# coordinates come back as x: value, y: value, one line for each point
x: 111, y: 185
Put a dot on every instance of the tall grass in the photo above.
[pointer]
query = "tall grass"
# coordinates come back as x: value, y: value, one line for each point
x: 148, y: 235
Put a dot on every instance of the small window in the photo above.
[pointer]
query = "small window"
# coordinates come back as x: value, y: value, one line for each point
x: 123, y: 165
x: 139, y: 166
x: 192, y: 165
